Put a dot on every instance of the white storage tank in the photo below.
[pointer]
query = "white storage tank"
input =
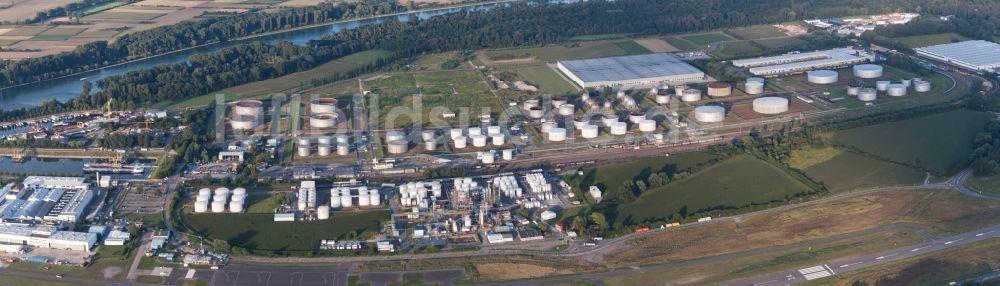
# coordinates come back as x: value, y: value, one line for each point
x: 475, y: 130
x: 647, y: 125
x: 755, y: 79
x: 243, y: 122
x: 619, y: 128
x: 364, y: 200
x: 456, y: 132
x: 822, y: 76
x: 662, y: 99
x: 589, y: 131
x: 397, y: 147
x: 222, y: 191
x: 508, y: 154
x: 343, y: 149
x: 323, y: 212
x: 690, y: 95
x: 334, y: 198
x: 567, y: 109
x: 580, y: 122
x: 770, y: 105
x: 636, y: 116
x: 548, y: 126
x: 609, y: 119
x: 236, y: 206
x: 201, y: 206
x: 867, y: 71
x: 395, y: 136
x: 343, y: 139
x: 487, y: 157
x: 323, y: 105
x: 430, y: 145
x: 922, y: 86
x: 324, y: 139
x: 493, y: 130
x: 529, y: 104
x: 896, y: 89
x: 907, y: 82
x: 558, y: 101
x: 754, y: 87
x: 536, y: 112
x: 303, y: 151
x: 303, y: 140
x: 204, y: 191
x: 322, y: 120
x: 250, y: 107
x: 239, y: 192
x: 427, y: 135
x: 218, y: 207
x: 557, y: 134
x: 374, y: 198
x: 853, y: 90
x: 478, y: 140
x: 324, y: 150
x: 679, y: 89
x: 867, y: 94
x: 882, y: 85
x: 461, y: 142
x: 710, y: 113
x: 346, y: 201
x: 499, y: 140
x: 719, y: 89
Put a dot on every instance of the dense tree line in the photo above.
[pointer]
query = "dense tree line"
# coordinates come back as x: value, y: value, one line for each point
x: 181, y: 35
x: 121, y: 141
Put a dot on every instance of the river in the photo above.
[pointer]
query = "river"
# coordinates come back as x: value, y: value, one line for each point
x: 66, y: 88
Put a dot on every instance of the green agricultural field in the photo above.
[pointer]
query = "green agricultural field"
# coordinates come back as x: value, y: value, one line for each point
x: 736, y: 49
x: 103, y: 7
x: 939, y: 142
x: 614, y: 175
x: 27, y: 31
x: 705, y: 39
x: 756, y: 32
x: 571, y: 51
x: 548, y: 80
x: 680, y: 44
x: 737, y: 182
x: 632, y: 48
x: 930, y: 40
x: 849, y: 171
x: 58, y: 34
x: 260, y: 232
x: 780, y: 42
x: 125, y: 16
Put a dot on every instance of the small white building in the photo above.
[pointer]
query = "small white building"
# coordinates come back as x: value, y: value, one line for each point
x: 284, y: 217
x: 385, y: 246
x: 117, y: 237
x: 595, y: 193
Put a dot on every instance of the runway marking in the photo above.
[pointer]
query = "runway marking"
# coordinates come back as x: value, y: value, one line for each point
x: 953, y: 241
x: 816, y: 272
x: 917, y: 249
x: 829, y: 269
x: 765, y: 282
x: 850, y: 264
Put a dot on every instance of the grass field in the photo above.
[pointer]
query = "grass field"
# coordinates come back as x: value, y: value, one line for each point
x: 940, y: 142
x: 15, y: 280
x: 125, y: 16
x: 103, y: 7
x: 780, y: 42
x: 986, y: 185
x: 578, y: 50
x: 632, y: 48
x: 848, y: 171
x: 459, y: 91
x: 736, y: 49
x: 681, y: 44
x: 260, y: 232
x: 930, y: 40
x: 109, y: 257
x: 614, y: 175
x: 756, y: 32
x: 708, y: 38
x: 548, y: 80
x: 58, y: 34
x: 734, y: 183
x: 260, y: 203
x: 27, y: 31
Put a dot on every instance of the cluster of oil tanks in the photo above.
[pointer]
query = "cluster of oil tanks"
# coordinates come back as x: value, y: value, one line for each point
x: 422, y: 194
x: 346, y: 197
x: 477, y: 136
x: 323, y: 113
x: 325, y: 145
x: 490, y: 156
x: 901, y: 88
x: 216, y: 201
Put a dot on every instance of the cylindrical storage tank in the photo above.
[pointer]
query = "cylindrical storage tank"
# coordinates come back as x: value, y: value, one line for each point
x: 558, y: 101
x: 303, y: 140
x: 647, y: 125
x: 334, y: 199
x: 323, y: 212
x: 343, y: 139
x: 397, y: 147
x: 536, y: 112
x: 710, y: 113
x: 346, y: 201
x: 430, y: 145
x: 222, y: 191
x: 548, y: 126
x: 474, y: 130
x: 508, y: 154
x: 896, y: 89
x: 303, y: 151
x: 907, y: 82
x: 487, y: 157
x: 456, y: 132
x: 427, y: 135
x: 204, y: 191
x: 822, y: 76
x: 239, y: 192
x: 343, y: 149
x: 922, y: 86
x: 609, y: 119
x: 770, y: 105
x: 557, y: 134
x: 324, y: 140
x: 364, y: 200
x: 219, y: 198
x: 754, y: 87
x: 236, y: 206
x: 461, y: 142
x: 589, y: 131
x: 478, y: 140
x: 203, y: 198
x: 323, y: 105
x: 395, y: 136
x: 882, y: 85
x: 529, y: 104
x: 499, y: 140
x: 324, y: 150
x: 690, y: 95
x: 867, y: 94
x: 679, y: 89
x: 662, y: 99
x: 218, y: 207
x: 867, y: 71
x: 853, y: 90
x: 374, y: 198
x: 242, y: 122
x: 719, y: 89
x: 618, y: 128
x: 250, y: 107
x: 581, y: 122
x: 200, y: 207
x: 636, y: 116
x: 755, y: 79
x: 567, y: 109
x: 493, y: 130
x: 322, y: 120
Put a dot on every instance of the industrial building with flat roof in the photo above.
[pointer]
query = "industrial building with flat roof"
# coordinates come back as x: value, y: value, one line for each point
x: 638, y: 70
x: 975, y: 55
x: 803, y: 62
x: 48, y: 199
x: 46, y: 237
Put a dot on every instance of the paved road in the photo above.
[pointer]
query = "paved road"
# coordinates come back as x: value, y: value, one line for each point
x: 145, y: 239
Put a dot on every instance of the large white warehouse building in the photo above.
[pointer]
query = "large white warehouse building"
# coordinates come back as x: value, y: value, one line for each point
x: 638, y: 70
x: 46, y: 198
x: 46, y: 237
x: 974, y: 55
x: 802, y: 62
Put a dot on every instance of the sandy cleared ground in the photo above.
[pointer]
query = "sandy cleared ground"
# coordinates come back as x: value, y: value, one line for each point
x: 126, y: 9
x: 511, y: 271
x: 656, y: 45
x: 26, y: 9
x: 791, y: 29
x: 15, y: 37
x: 300, y: 3
x: 4, y: 30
